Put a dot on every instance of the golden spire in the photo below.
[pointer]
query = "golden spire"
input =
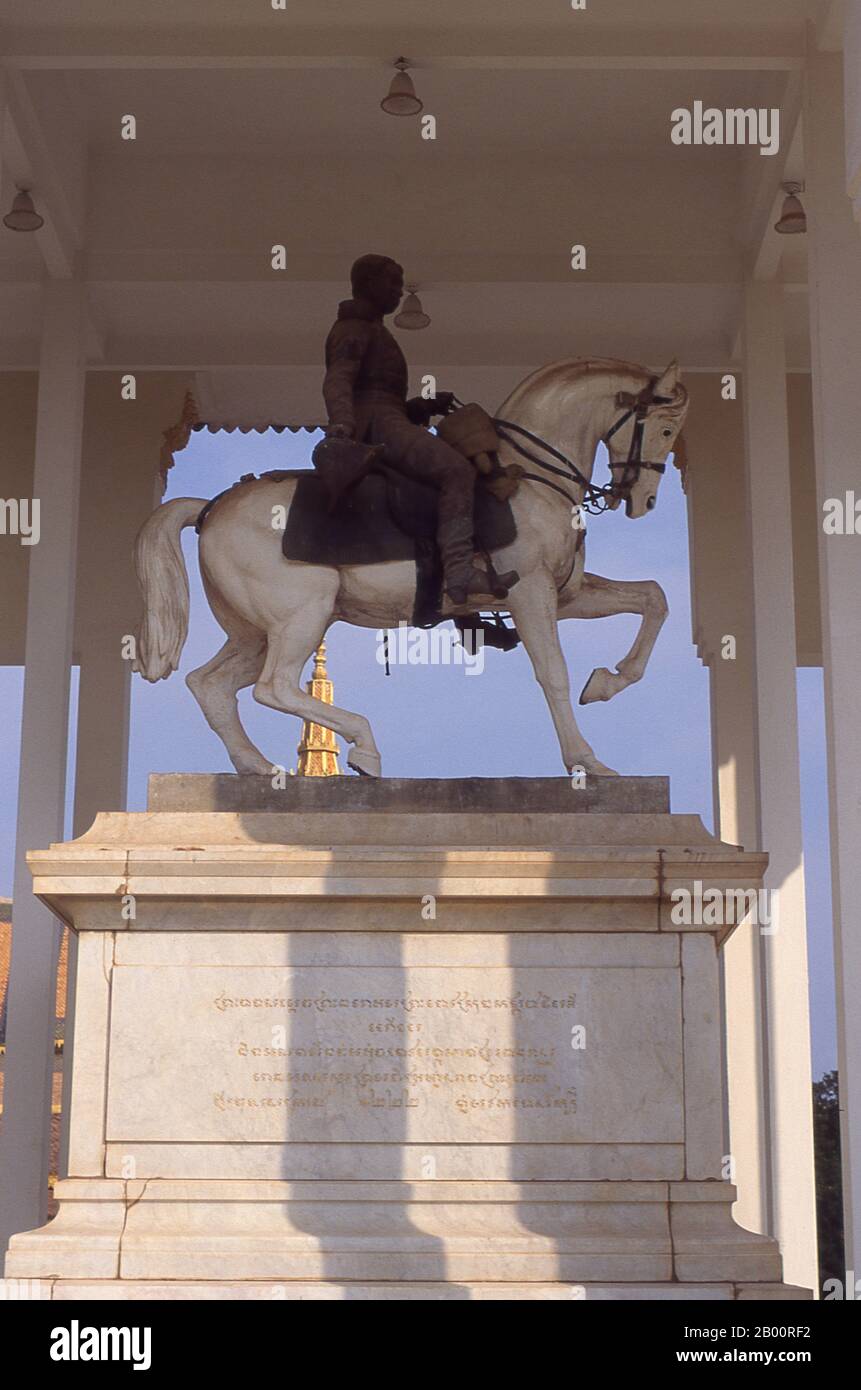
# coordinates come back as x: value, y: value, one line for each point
x: 318, y: 748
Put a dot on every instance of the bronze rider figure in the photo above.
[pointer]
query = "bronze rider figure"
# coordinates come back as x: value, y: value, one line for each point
x: 365, y: 391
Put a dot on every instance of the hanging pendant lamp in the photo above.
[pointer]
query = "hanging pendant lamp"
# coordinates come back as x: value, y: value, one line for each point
x: 793, y: 219
x: 411, y: 314
x: 401, y: 99
x: 22, y: 216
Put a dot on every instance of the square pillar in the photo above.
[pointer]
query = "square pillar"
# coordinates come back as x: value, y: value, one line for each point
x: 24, y: 1144
x: 852, y: 76
x: 723, y: 608
x: 784, y: 950
x: 835, y: 328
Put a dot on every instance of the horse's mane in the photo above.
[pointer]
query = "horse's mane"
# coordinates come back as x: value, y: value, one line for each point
x: 574, y: 369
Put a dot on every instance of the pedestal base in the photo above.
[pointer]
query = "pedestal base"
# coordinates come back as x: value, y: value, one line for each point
x: 74, y: 1291
x: 395, y: 1053
x: 425, y: 1232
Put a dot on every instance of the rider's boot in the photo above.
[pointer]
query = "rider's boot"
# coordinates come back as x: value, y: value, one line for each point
x: 472, y: 584
x: 465, y: 581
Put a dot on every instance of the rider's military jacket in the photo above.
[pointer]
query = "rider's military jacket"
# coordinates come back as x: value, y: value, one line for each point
x: 364, y: 365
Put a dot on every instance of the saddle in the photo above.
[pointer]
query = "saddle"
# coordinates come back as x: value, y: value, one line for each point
x: 384, y: 516
x: 356, y: 509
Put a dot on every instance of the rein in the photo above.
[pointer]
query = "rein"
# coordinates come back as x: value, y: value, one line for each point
x: 595, y: 499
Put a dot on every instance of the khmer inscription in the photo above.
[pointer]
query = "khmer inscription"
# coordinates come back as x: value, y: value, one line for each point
x: 390, y: 1055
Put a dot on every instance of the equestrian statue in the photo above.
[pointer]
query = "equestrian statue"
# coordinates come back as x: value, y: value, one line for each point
x: 397, y: 524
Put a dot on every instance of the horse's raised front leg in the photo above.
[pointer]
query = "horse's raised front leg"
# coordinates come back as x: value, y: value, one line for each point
x: 604, y: 598
x: 533, y: 606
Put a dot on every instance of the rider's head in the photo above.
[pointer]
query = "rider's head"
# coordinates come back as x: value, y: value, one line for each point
x: 380, y: 280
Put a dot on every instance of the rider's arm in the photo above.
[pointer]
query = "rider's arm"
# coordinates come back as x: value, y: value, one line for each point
x: 346, y: 348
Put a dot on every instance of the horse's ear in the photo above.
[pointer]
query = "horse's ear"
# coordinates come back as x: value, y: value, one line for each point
x: 666, y: 384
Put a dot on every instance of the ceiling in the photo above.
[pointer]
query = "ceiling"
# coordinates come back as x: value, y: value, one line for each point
x: 92, y: 17
x: 569, y: 114
x: 260, y: 128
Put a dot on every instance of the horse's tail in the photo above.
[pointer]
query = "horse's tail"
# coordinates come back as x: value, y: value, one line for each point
x: 163, y: 581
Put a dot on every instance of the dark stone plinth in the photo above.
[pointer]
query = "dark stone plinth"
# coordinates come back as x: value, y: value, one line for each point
x: 408, y: 795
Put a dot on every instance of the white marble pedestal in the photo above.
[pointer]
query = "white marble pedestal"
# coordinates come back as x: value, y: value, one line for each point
x: 425, y: 1040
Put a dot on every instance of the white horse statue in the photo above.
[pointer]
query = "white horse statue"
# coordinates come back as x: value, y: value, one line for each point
x: 275, y: 611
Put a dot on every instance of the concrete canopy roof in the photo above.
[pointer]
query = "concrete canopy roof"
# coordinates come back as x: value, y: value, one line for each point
x: 261, y: 127
x: 95, y: 20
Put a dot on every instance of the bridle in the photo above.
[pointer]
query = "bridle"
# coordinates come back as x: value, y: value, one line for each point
x: 637, y: 406
x: 595, y: 499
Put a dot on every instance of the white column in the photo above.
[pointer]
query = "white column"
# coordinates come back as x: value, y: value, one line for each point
x: 736, y: 800
x: 101, y: 762
x: 101, y: 777
x: 852, y: 75
x: 24, y: 1145
x: 114, y: 503
x: 723, y: 607
x: 784, y: 953
x: 835, y: 314
x: 3, y: 110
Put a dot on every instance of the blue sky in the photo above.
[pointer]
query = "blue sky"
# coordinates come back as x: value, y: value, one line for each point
x: 437, y: 721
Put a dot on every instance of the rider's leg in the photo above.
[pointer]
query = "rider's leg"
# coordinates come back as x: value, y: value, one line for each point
x: 429, y: 459
x: 432, y: 460
x: 455, y: 476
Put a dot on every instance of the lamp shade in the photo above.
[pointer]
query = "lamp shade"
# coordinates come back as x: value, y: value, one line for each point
x: 412, y: 315
x: 792, y: 218
x: 22, y: 216
x: 401, y: 99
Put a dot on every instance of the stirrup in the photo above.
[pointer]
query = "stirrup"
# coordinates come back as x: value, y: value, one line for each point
x: 494, y: 633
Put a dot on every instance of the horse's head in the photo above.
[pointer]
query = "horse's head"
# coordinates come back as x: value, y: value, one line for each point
x: 562, y: 412
x: 641, y: 438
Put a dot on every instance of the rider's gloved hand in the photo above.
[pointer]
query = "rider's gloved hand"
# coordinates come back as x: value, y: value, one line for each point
x: 422, y: 409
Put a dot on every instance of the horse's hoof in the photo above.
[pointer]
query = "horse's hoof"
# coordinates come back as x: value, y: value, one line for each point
x: 601, y: 685
x: 593, y: 768
x: 254, y: 767
x: 599, y: 770
x: 368, y: 764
